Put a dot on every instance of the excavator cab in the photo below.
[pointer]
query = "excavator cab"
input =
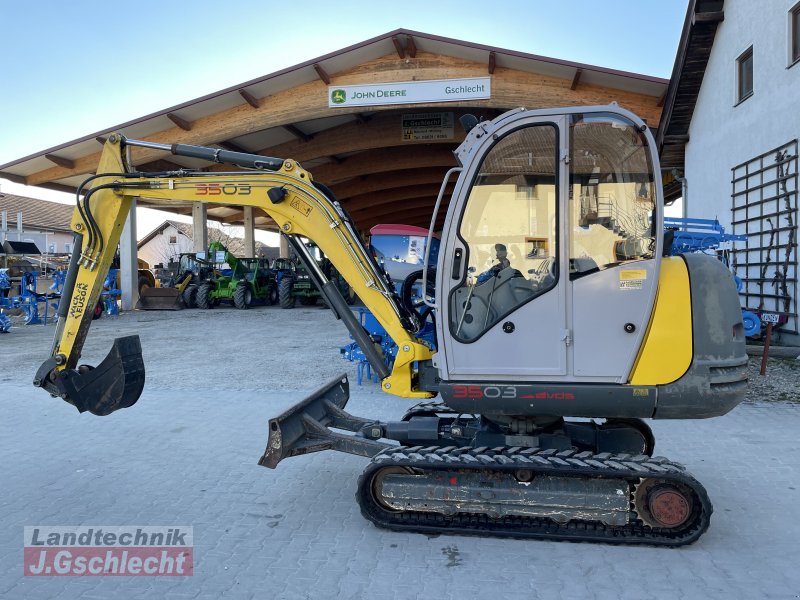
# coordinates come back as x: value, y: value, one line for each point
x: 557, y: 193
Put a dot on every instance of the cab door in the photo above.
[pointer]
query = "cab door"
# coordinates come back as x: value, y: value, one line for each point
x: 501, y: 287
x: 614, y: 214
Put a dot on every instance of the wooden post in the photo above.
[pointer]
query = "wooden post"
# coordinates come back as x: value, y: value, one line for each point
x: 765, y: 356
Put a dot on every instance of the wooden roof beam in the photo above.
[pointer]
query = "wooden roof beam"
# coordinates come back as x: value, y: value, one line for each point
x: 671, y: 140
x: 492, y: 62
x: 237, y: 217
x: 13, y: 178
x: 163, y: 165
x: 411, y: 47
x: 228, y: 145
x: 322, y: 74
x: 249, y: 98
x: 60, y: 161
x: 298, y: 133
x: 398, y: 46
x: 180, y: 122
x: 708, y: 17
x: 576, y: 79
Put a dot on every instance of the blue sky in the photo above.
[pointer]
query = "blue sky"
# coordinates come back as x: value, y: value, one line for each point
x: 74, y: 68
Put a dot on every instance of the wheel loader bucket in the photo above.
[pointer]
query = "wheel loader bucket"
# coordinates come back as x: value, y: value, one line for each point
x: 115, y: 383
x: 304, y: 428
x: 160, y: 298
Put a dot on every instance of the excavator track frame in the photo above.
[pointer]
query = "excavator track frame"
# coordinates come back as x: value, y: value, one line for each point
x: 640, y: 473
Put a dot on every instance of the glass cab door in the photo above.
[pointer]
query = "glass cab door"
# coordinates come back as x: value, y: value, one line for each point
x: 612, y: 225
x: 503, y: 306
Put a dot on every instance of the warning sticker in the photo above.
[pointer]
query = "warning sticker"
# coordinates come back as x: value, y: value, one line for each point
x: 632, y: 279
x: 427, y: 126
x: 300, y: 206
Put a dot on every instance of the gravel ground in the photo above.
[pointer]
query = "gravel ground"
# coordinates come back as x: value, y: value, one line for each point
x: 780, y: 382
x: 186, y: 453
x: 303, y: 350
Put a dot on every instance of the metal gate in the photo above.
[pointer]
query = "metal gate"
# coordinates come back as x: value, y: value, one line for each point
x: 765, y: 209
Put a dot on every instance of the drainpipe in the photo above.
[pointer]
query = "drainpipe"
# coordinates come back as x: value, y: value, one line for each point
x: 684, y: 192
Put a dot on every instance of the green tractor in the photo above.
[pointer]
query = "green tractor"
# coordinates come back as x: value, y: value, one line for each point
x: 294, y: 283
x: 251, y: 281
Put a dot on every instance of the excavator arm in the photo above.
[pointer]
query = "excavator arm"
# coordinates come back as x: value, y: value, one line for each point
x: 283, y: 190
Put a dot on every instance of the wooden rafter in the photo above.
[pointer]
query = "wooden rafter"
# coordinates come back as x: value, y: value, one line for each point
x: 60, y: 161
x: 576, y: 78
x: 676, y: 139
x: 398, y: 46
x: 322, y: 74
x: 249, y: 98
x: 411, y: 47
x: 492, y: 62
x: 393, y: 196
x: 228, y: 145
x: 236, y: 217
x: 708, y: 17
x: 388, y: 181
x: 298, y: 133
x: 385, y: 160
x: 162, y: 165
x: 180, y: 121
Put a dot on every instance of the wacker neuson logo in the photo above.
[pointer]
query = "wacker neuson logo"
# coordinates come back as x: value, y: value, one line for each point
x: 110, y: 550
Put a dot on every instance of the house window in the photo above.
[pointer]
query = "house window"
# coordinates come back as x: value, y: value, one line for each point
x: 67, y: 247
x: 173, y: 239
x: 794, y: 34
x: 744, y: 75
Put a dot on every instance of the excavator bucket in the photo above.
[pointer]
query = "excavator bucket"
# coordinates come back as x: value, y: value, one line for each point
x: 304, y: 428
x: 115, y: 383
x: 160, y: 298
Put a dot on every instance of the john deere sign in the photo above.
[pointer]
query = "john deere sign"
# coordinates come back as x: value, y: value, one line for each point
x: 410, y: 92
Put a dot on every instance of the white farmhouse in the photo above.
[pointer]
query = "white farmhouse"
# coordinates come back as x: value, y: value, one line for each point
x: 731, y: 126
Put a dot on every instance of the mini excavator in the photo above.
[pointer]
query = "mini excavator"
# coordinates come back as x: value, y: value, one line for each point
x: 561, y: 325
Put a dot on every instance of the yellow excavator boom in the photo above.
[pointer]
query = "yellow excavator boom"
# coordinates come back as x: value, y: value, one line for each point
x: 283, y: 190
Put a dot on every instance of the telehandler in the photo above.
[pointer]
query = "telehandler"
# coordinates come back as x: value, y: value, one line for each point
x: 540, y: 316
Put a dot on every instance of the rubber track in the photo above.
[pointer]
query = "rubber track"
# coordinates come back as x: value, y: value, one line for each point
x: 567, y: 463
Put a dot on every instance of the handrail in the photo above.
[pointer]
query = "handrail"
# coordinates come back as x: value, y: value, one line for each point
x: 430, y: 236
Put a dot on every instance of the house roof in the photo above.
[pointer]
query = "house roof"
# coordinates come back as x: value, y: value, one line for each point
x: 694, y: 49
x: 37, y: 214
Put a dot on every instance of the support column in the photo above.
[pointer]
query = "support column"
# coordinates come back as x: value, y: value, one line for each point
x: 128, y: 264
x: 249, y: 232
x: 284, y: 251
x: 200, y: 227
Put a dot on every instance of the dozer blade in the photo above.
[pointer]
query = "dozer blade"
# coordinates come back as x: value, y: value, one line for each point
x: 304, y: 428
x: 115, y: 383
x: 157, y: 298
